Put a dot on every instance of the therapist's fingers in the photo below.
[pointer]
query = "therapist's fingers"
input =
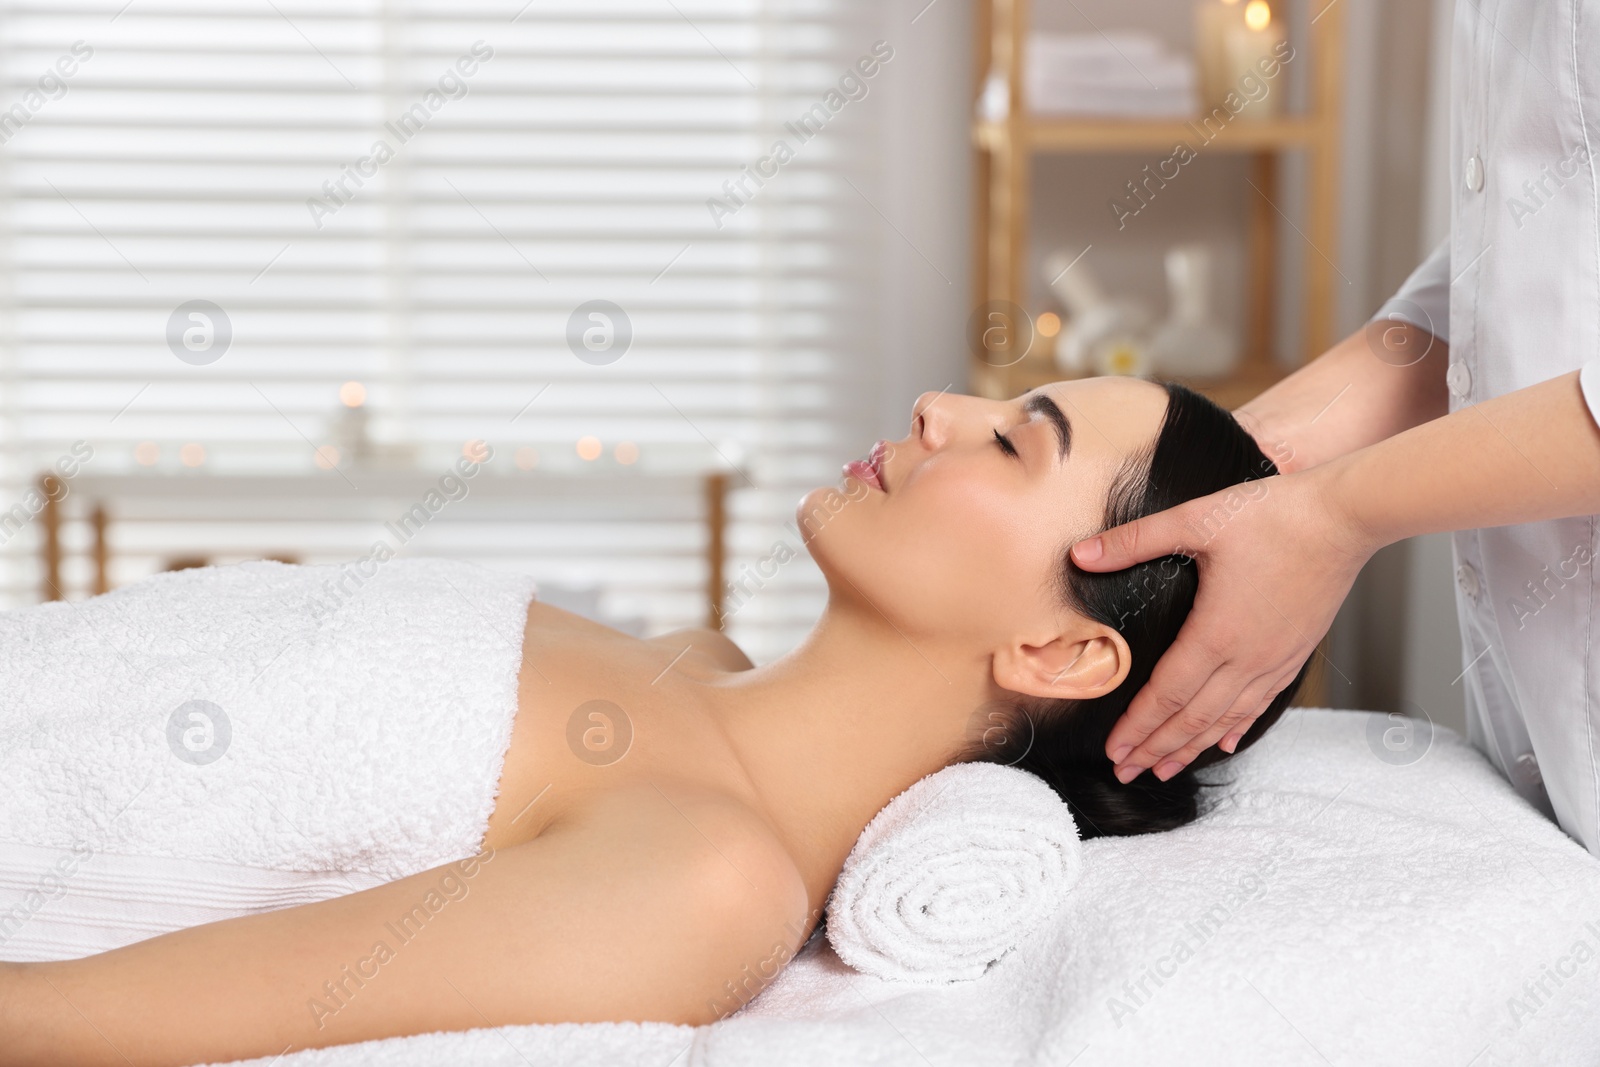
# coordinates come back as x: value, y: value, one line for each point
x: 1139, y: 541
x: 1175, y: 745
x: 1234, y: 722
x: 1220, y: 692
x: 1230, y: 743
x: 1190, y: 664
x: 1272, y: 567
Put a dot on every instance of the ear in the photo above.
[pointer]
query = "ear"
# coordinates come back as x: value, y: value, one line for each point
x: 1079, y: 666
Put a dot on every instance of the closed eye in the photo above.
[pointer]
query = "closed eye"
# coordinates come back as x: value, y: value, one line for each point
x: 1005, y: 444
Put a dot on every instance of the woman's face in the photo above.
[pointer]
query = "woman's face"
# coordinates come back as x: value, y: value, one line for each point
x: 957, y: 530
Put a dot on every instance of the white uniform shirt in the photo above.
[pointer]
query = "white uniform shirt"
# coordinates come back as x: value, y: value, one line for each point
x: 1516, y: 293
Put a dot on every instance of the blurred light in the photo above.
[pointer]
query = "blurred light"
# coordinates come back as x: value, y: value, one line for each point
x: 527, y: 459
x: 145, y: 453
x: 627, y: 453
x: 1048, y: 324
x: 1257, y: 14
x: 192, y: 455
x: 475, y: 450
x: 589, y: 447
x: 327, y: 457
x: 1122, y: 359
x: 352, y: 394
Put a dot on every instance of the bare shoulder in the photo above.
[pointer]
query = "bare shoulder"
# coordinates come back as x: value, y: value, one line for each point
x: 722, y: 888
x: 703, y: 836
x: 714, y: 645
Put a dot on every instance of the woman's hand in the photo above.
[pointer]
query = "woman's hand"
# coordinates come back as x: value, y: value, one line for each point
x: 1276, y: 559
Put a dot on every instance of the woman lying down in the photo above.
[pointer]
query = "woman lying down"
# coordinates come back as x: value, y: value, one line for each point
x: 548, y: 820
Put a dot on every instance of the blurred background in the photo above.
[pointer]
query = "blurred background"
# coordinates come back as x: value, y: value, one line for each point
x: 596, y: 291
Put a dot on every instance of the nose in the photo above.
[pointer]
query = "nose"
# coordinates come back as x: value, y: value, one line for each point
x: 934, y: 410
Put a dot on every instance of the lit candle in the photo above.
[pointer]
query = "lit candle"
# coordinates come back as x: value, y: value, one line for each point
x: 1253, y: 48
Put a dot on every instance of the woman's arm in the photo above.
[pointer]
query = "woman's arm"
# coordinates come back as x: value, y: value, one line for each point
x: 1381, y: 380
x: 1276, y: 563
x: 631, y: 912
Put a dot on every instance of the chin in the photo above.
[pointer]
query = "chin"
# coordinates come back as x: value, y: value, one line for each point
x: 832, y: 533
x: 824, y: 508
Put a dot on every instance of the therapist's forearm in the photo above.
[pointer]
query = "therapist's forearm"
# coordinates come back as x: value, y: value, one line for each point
x: 1379, y: 381
x: 1523, y: 457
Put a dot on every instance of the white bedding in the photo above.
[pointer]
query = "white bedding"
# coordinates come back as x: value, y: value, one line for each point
x: 1333, y: 909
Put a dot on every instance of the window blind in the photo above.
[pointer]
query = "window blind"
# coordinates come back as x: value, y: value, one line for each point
x: 561, y: 229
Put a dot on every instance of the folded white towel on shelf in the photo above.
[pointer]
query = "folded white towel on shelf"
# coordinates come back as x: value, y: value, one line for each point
x: 229, y: 740
x: 953, y: 874
x: 1122, y: 73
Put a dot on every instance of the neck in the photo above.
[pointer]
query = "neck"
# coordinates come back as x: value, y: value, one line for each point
x: 837, y: 728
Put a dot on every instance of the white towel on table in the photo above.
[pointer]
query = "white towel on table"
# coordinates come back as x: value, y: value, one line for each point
x: 953, y: 873
x: 1328, y: 907
x: 1373, y: 914
x: 228, y: 740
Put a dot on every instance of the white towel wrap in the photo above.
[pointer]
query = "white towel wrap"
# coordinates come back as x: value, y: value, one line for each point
x: 953, y: 873
x: 229, y: 740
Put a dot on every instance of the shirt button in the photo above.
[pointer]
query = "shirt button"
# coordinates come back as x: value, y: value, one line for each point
x: 1467, y: 579
x: 1472, y: 174
x: 1527, y: 768
x: 1459, y: 379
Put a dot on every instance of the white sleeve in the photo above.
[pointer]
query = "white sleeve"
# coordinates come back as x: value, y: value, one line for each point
x: 1424, y: 299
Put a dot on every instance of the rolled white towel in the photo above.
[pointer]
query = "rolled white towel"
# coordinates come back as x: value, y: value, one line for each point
x: 953, y: 873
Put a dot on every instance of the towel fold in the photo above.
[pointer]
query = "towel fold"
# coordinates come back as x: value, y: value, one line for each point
x: 953, y: 873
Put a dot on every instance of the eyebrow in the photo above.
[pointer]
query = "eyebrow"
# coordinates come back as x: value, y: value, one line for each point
x: 1041, y: 404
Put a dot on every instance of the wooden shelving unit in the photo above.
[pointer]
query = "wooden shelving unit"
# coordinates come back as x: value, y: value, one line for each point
x: 1006, y: 149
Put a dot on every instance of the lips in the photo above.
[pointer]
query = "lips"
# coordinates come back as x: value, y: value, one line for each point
x: 870, y: 471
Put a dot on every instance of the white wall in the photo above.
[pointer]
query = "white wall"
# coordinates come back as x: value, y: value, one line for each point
x: 1397, y: 637
x: 927, y: 195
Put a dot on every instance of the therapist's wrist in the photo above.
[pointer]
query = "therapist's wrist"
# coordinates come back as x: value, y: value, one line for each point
x: 1381, y: 380
x: 1353, y: 504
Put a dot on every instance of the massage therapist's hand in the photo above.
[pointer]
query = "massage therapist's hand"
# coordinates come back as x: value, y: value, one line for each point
x: 1276, y: 558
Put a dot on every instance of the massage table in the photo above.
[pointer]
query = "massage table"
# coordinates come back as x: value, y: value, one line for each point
x: 1333, y: 905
